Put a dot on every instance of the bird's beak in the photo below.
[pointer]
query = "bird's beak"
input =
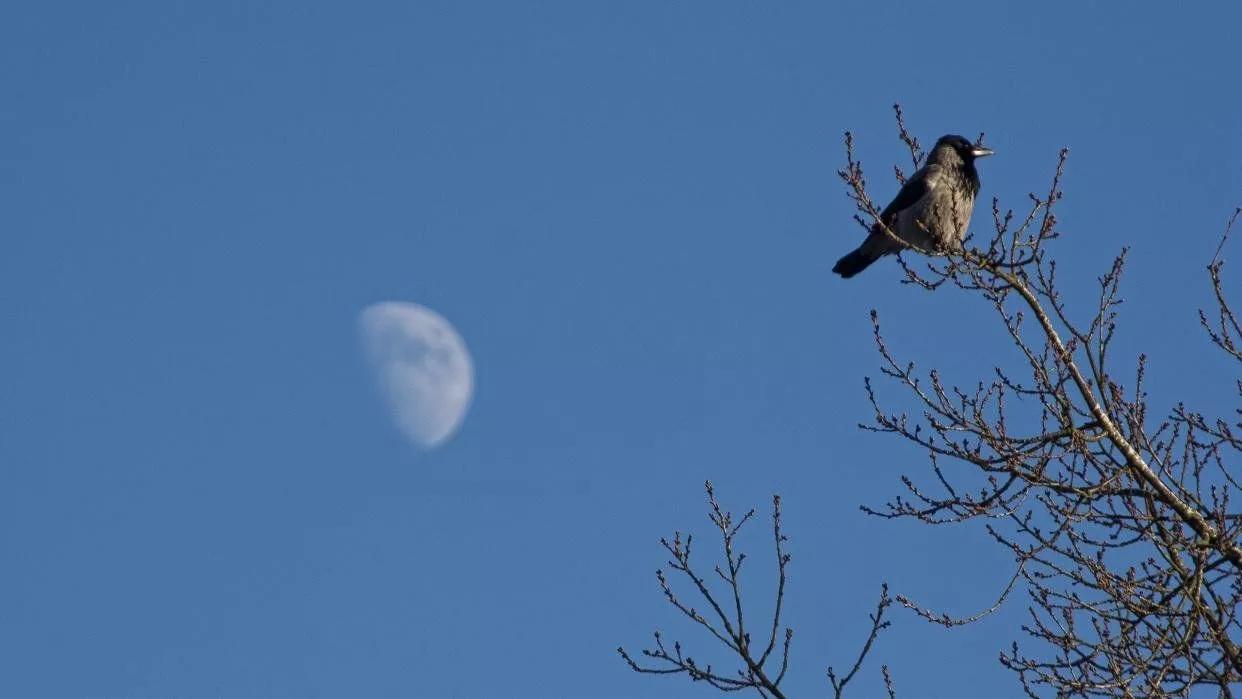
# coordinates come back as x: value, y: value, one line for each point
x: 981, y: 151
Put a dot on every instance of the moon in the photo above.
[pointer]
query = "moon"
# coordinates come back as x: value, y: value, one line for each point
x: 422, y: 367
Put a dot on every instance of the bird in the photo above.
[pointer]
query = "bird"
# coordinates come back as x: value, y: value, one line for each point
x: 932, y: 209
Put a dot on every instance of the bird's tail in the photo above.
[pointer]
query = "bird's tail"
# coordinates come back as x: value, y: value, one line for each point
x: 856, y: 261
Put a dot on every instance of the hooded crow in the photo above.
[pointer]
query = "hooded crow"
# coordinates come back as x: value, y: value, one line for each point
x: 931, y: 211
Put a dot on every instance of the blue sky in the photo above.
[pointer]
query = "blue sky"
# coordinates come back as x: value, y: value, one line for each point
x: 629, y: 211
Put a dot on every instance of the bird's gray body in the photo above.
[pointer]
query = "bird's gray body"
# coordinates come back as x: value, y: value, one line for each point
x: 930, y: 213
x: 940, y: 217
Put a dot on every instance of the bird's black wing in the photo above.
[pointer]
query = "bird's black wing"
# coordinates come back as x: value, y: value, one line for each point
x: 915, y: 188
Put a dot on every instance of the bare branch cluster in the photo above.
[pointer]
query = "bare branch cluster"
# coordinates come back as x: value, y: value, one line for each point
x: 762, y: 662
x: 1120, y: 524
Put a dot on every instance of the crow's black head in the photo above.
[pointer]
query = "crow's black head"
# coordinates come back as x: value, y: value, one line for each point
x: 963, y: 147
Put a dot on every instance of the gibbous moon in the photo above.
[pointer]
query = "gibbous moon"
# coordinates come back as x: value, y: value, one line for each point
x: 422, y: 367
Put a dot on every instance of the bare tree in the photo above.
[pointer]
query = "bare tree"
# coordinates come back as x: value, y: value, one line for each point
x: 1120, y: 521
